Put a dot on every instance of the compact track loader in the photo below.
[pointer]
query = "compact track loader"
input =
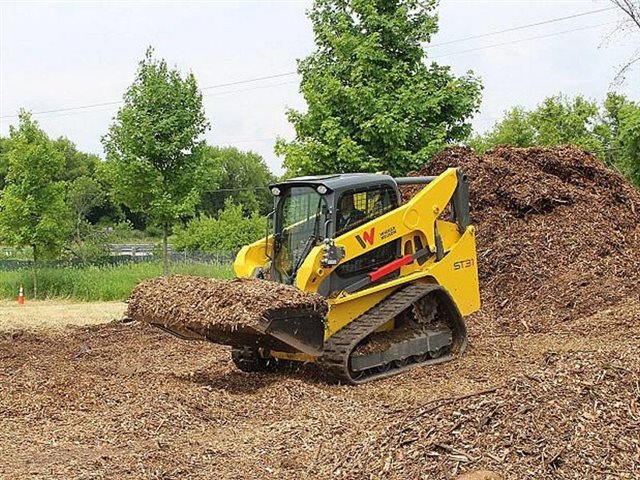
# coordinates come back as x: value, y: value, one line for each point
x: 398, y: 278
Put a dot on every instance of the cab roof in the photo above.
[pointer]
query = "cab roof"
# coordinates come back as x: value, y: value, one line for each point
x: 343, y: 181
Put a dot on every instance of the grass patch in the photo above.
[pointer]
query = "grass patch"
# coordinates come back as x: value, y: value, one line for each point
x: 93, y: 283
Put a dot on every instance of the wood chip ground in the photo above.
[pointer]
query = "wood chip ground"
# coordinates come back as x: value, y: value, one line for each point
x: 549, y: 387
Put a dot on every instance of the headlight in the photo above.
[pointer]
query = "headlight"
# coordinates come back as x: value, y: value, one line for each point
x: 275, y: 191
x: 321, y: 189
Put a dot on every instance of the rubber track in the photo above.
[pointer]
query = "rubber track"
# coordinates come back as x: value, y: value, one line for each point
x: 337, y: 350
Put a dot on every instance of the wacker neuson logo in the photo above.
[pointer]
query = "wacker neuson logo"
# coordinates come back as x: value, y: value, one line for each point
x: 367, y: 237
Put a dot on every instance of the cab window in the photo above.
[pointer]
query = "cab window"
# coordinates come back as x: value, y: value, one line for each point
x: 357, y: 207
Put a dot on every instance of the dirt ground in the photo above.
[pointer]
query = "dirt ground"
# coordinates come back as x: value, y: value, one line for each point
x: 127, y: 401
x: 54, y: 314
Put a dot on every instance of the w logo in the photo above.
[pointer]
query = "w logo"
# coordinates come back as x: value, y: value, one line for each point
x: 367, y: 237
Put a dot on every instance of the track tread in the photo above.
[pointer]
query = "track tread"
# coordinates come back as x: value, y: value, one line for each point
x: 337, y: 350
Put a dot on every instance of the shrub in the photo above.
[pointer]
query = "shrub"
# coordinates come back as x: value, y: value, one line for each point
x: 229, y: 232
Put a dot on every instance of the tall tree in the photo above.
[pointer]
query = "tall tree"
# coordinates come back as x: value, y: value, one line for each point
x: 152, y: 146
x: 373, y: 101
x: 33, y: 212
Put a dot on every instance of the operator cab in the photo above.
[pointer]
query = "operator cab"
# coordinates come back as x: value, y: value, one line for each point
x: 310, y: 211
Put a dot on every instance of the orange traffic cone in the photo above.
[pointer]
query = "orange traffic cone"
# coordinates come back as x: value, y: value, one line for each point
x: 21, y: 296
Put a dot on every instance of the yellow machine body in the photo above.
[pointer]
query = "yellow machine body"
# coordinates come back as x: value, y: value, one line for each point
x: 422, y: 222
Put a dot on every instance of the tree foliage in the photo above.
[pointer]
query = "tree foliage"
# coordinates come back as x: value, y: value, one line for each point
x: 4, y: 160
x: 33, y: 212
x: 560, y: 120
x: 514, y: 129
x: 76, y: 163
x: 373, y: 102
x: 628, y: 141
x: 611, y: 130
x: 83, y: 195
x: 230, y: 231
x: 153, y: 162
x: 556, y: 121
x: 239, y: 176
x: 86, y: 196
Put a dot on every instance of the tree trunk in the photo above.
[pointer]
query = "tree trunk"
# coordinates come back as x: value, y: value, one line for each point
x: 35, y: 272
x: 165, y: 250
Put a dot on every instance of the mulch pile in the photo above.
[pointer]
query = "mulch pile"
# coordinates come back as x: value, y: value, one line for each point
x: 558, y: 233
x: 210, y: 307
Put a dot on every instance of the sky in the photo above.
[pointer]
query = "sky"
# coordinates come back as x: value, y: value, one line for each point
x: 63, y: 54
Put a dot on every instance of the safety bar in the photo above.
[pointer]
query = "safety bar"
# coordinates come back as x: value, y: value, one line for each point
x: 414, y: 180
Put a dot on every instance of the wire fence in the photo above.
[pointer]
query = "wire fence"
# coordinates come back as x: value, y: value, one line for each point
x: 216, y: 258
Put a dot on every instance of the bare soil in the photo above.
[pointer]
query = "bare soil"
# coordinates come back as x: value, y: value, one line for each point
x: 41, y: 315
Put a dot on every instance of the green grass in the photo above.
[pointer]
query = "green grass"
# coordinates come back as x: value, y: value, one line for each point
x: 97, y: 283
